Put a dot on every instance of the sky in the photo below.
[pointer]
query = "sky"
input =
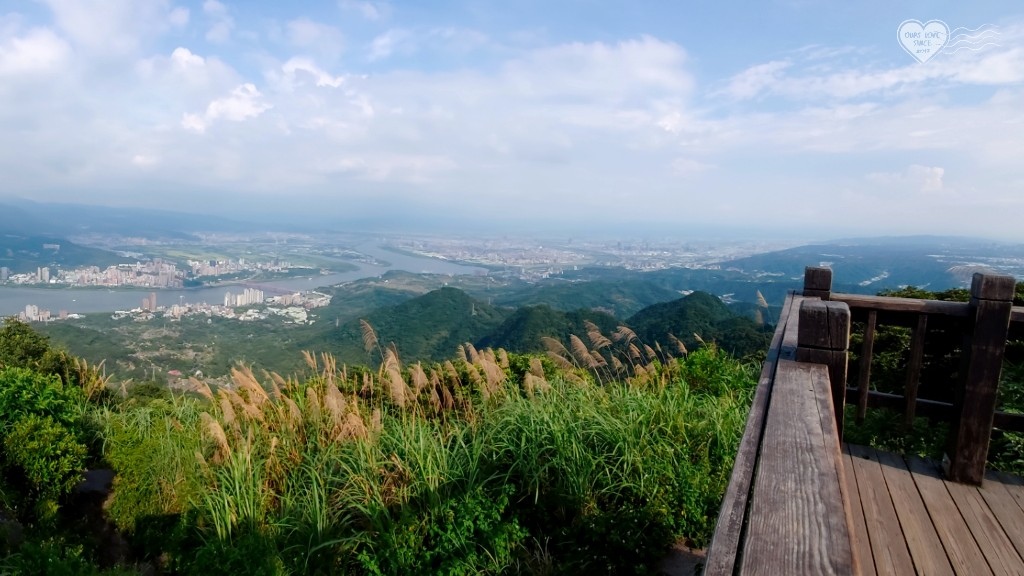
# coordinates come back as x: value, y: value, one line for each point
x: 784, y: 117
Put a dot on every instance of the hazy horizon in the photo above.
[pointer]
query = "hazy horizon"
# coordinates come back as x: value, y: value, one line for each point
x: 802, y: 120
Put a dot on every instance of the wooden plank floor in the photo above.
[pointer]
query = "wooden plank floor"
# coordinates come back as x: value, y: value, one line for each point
x: 908, y: 519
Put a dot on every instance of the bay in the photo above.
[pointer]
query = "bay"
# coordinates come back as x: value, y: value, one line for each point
x: 13, y: 299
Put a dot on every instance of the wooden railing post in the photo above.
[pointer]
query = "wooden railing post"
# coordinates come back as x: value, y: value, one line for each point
x: 975, y: 398
x: 818, y: 282
x: 823, y: 337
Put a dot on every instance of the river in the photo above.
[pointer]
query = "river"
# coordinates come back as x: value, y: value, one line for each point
x: 13, y: 299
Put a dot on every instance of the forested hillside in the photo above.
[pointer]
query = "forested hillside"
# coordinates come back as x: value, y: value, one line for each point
x: 427, y: 327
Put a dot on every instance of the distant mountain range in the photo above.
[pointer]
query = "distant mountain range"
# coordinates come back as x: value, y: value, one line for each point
x: 868, y: 265
x: 69, y: 220
x: 24, y: 254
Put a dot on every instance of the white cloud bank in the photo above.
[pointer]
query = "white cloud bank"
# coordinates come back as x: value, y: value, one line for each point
x: 124, y: 95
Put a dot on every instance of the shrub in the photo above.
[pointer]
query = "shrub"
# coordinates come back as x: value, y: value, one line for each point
x: 24, y: 392
x: 47, y: 453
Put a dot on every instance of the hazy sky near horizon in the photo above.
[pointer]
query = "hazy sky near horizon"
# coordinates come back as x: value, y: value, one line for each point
x: 797, y: 115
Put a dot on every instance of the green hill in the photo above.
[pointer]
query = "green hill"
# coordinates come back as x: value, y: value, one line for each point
x: 22, y: 254
x: 620, y: 298
x: 706, y: 316
x: 430, y: 326
x: 523, y: 330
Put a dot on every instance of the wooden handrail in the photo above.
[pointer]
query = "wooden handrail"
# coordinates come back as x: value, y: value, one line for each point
x: 984, y: 323
x: 908, y: 305
x: 728, y: 538
x: 785, y: 510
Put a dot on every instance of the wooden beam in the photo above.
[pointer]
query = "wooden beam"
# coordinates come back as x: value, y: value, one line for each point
x: 982, y: 362
x: 858, y: 302
x: 942, y: 411
x: 914, y: 370
x: 864, y: 376
x: 823, y: 338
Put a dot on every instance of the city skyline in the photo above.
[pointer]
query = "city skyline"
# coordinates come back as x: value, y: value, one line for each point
x: 797, y: 115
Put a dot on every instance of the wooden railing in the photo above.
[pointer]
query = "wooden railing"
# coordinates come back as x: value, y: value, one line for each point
x: 972, y: 338
x: 785, y: 510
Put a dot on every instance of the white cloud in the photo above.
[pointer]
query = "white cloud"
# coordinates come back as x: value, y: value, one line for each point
x: 144, y: 160
x: 38, y: 50
x: 754, y: 80
x: 314, y: 38
x: 384, y: 45
x: 915, y: 180
x: 369, y: 10
x: 497, y: 121
x: 179, y: 17
x: 820, y: 73
x: 184, y: 59
x: 114, y: 27
x: 221, y: 23
x: 243, y: 103
x: 309, y: 67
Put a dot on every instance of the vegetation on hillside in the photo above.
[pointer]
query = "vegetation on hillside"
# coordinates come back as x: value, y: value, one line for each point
x: 590, y: 459
x: 701, y: 316
x: 24, y: 254
x: 425, y: 327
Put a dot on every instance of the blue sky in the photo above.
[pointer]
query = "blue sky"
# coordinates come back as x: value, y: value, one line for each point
x: 800, y: 117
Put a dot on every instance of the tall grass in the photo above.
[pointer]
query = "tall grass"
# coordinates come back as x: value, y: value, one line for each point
x: 492, y: 463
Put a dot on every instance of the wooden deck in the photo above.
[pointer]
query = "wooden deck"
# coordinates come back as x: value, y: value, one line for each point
x: 907, y: 519
x: 801, y: 502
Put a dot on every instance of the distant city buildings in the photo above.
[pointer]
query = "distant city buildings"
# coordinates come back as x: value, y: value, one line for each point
x: 293, y: 308
x: 154, y: 274
x: 33, y: 313
x: 248, y: 297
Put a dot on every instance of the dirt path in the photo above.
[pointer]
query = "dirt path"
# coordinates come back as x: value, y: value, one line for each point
x: 683, y: 561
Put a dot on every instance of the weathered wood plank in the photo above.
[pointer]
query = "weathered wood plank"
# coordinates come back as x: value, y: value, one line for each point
x: 910, y: 305
x: 824, y: 325
x: 797, y: 522
x: 791, y: 333
x: 832, y: 436
x: 1014, y: 485
x: 866, y: 355
x: 888, y: 546
x: 988, y: 532
x: 961, y: 548
x: 914, y: 370
x: 861, y: 540
x: 923, y: 542
x: 817, y: 282
x: 823, y: 338
x: 1006, y: 509
x: 726, y: 542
